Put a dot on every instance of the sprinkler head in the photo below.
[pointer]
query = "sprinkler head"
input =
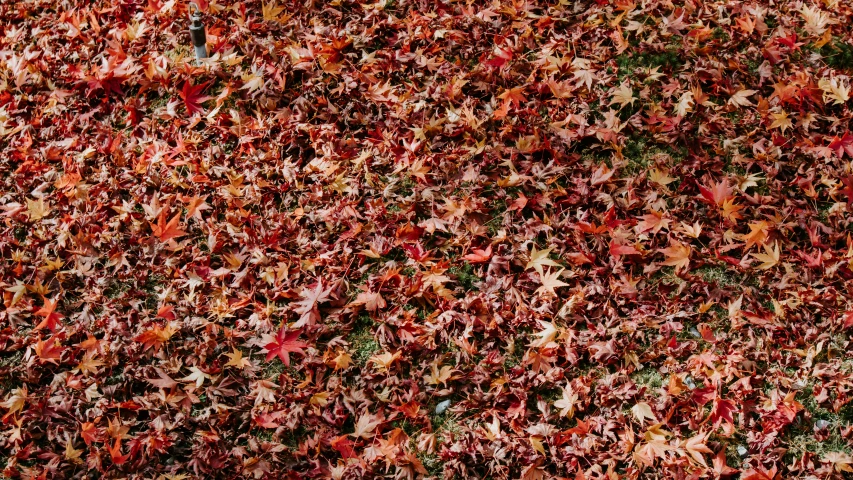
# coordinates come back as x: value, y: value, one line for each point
x: 197, y: 34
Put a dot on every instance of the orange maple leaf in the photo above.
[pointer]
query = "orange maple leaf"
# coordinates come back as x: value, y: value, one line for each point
x: 758, y: 233
x: 731, y: 210
x: 155, y: 337
x: 514, y: 95
x: 195, y: 205
x: 115, y: 453
x: 166, y: 231
x: 51, y: 318
x: 652, y: 222
x: 511, y: 97
x: 49, y: 350
x: 677, y: 255
x: 90, y: 433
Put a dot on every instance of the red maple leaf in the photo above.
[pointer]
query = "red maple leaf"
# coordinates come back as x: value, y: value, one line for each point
x: 717, y: 193
x: 720, y: 467
x: 760, y: 473
x: 848, y: 188
x: 268, y: 420
x: 283, y: 345
x: 842, y: 145
x: 344, y: 446
x: 167, y: 312
x: 723, y: 411
x: 167, y: 230
x: 49, y: 350
x: 617, y: 250
x: 701, y: 396
x: 848, y: 319
x: 417, y: 252
x: 192, y: 97
x: 479, y: 255
x: 502, y: 56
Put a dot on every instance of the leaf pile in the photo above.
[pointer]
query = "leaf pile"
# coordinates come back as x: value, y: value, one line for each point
x: 410, y: 239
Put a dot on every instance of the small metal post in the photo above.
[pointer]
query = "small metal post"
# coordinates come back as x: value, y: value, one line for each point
x: 199, y: 38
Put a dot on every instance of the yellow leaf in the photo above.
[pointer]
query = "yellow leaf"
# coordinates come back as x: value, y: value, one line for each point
x: 15, y: 402
x: 677, y: 255
x: 741, y: 98
x: 685, y: 103
x: 550, y: 281
x: 769, y: 258
x: 383, y: 361
x: 734, y: 308
x: 89, y: 364
x: 72, y: 454
x: 661, y: 177
x: 37, y: 209
x: 493, y: 430
x: 835, y: 90
x: 691, y: 230
x: 135, y: 30
x: 781, y: 121
x: 816, y: 20
x: 236, y: 360
x: 623, y: 95
x: 321, y: 399
x: 841, y: 461
x: 537, y: 445
x: 539, y: 259
x: 365, y: 426
x: 439, y: 375
x: 18, y: 291
x: 643, y: 411
x: 546, y: 336
x: 568, y: 403
x: 196, y: 376
x: 342, y: 361
x: 826, y: 38
x: 271, y: 11
x: 51, y: 265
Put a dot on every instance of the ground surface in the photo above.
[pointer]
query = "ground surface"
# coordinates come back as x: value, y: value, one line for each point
x: 592, y: 240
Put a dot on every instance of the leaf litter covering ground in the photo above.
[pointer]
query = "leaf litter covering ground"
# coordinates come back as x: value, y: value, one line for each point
x: 589, y: 240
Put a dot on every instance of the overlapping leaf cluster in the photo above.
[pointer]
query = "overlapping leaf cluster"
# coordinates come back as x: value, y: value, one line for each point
x: 463, y: 239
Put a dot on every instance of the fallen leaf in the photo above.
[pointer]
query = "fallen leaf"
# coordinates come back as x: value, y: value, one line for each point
x: 550, y: 281
x: 623, y: 95
x: 642, y: 411
x: 284, y: 344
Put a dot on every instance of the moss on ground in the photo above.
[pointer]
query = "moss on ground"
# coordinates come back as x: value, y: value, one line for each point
x: 363, y: 340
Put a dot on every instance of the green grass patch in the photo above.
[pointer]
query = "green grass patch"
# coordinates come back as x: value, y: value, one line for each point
x: 837, y: 54
x: 273, y: 370
x: 363, y: 340
x: 668, y: 59
x: 465, y: 275
x: 720, y: 276
x: 116, y: 289
x: 649, y: 378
